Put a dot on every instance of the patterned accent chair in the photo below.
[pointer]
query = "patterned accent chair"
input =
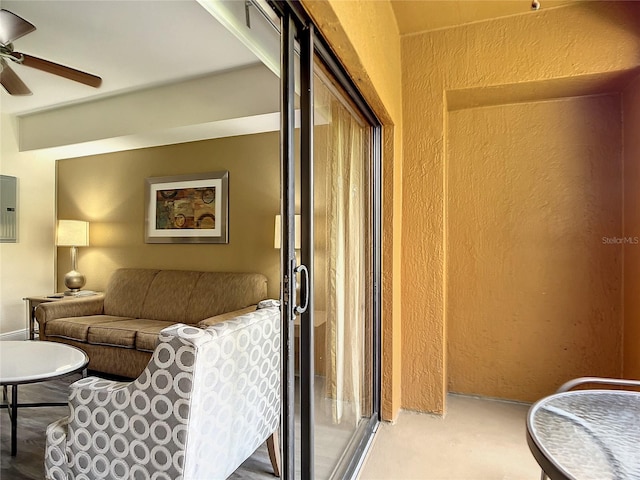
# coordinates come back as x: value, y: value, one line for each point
x: 206, y: 401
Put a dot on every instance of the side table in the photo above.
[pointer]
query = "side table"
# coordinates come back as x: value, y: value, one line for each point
x: 33, y: 302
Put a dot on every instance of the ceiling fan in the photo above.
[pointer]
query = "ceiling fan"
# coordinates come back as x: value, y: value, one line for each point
x: 13, y: 27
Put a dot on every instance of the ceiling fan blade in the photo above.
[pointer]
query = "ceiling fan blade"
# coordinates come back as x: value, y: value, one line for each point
x: 57, y: 69
x: 11, y: 82
x: 12, y: 26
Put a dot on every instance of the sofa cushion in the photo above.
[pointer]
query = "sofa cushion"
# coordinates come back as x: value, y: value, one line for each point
x: 128, y: 333
x: 77, y: 328
x: 147, y: 339
x: 220, y: 292
x: 147, y: 332
x: 126, y: 291
x: 169, y: 296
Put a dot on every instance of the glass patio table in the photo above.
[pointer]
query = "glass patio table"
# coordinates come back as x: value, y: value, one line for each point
x: 587, y: 434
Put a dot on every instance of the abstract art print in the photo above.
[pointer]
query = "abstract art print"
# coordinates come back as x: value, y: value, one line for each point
x: 188, y: 208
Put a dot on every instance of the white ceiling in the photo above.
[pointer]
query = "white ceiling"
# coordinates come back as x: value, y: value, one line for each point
x: 130, y: 44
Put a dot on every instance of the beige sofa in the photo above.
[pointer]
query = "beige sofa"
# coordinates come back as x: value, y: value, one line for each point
x: 120, y: 330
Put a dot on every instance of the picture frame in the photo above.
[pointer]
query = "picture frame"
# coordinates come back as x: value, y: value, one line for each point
x: 190, y: 208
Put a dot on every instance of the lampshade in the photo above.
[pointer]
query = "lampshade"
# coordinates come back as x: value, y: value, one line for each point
x: 276, y: 236
x: 73, y: 233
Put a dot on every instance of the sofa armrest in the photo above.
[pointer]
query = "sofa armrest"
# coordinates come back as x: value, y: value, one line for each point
x: 79, y: 307
x: 223, y: 317
x: 90, y: 385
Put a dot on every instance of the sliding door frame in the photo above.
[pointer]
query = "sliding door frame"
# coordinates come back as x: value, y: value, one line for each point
x: 296, y: 24
x: 307, y: 354
x: 287, y: 252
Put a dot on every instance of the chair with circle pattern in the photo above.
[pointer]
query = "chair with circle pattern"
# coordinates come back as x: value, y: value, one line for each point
x: 206, y: 401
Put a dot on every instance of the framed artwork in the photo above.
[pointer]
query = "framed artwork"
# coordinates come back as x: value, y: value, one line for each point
x: 187, y: 208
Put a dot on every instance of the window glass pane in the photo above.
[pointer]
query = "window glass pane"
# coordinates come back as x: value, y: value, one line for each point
x: 343, y: 273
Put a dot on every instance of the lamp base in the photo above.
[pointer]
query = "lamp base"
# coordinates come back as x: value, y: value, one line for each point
x: 74, y: 281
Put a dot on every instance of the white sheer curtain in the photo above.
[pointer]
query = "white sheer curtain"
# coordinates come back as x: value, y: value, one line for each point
x: 344, y: 259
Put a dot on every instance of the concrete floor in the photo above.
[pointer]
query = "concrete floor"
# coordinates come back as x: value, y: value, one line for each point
x: 478, y: 439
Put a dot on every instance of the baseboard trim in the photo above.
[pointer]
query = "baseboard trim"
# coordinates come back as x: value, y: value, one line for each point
x: 16, y: 335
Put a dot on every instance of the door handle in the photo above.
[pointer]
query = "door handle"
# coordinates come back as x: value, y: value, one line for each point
x: 304, y: 292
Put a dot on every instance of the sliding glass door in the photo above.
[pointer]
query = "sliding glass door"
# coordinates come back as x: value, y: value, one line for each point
x: 344, y: 280
x: 331, y: 182
x: 328, y: 242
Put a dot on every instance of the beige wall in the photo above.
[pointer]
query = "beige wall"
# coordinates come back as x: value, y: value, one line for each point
x: 584, y: 39
x: 26, y: 266
x: 108, y: 191
x: 365, y: 37
x: 533, y: 294
x: 631, y: 120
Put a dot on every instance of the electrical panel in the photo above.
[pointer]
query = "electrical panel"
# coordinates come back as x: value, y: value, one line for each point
x: 8, y: 209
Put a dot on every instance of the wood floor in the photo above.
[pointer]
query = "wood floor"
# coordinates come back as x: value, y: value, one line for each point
x: 28, y: 464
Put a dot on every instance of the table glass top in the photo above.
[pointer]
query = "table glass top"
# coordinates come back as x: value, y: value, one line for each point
x: 590, y: 434
x: 31, y: 361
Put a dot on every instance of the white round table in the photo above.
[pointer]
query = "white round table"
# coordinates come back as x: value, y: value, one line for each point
x: 34, y: 361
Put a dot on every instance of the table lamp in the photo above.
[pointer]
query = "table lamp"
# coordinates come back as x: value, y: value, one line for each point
x: 73, y: 233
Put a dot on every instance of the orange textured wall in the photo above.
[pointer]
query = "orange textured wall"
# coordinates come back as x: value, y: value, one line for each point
x: 526, y: 53
x: 533, y: 294
x: 584, y: 39
x: 631, y: 121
